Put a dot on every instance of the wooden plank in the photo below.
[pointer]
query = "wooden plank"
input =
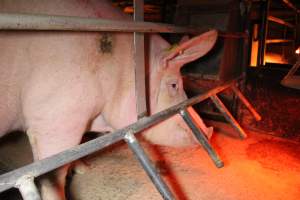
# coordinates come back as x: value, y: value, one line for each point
x: 139, y: 60
x: 280, y: 21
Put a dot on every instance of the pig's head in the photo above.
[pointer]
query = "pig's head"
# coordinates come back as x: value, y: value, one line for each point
x: 166, y: 88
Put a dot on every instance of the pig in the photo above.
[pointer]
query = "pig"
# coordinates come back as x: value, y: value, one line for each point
x: 57, y: 85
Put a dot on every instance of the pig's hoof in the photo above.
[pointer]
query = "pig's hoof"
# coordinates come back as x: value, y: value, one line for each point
x: 81, y: 167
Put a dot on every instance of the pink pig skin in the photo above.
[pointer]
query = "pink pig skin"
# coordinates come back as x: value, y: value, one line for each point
x: 55, y: 86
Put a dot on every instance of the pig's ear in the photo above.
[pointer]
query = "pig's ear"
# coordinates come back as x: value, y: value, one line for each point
x: 191, y: 50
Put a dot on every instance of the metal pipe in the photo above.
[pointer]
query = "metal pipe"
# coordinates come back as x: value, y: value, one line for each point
x: 222, y: 108
x: 246, y: 102
x: 27, y: 188
x: 10, y: 21
x: 41, y: 22
x: 139, y: 62
x: 8, y: 180
x: 201, y: 138
x: 148, y: 166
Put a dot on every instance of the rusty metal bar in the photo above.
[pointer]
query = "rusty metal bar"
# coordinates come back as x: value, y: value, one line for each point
x: 8, y: 180
x: 246, y: 102
x: 148, y: 166
x: 201, y: 138
x: 222, y: 108
x: 27, y: 188
x: 139, y: 61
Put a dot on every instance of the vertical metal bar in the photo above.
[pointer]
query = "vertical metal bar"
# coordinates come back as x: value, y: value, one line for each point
x: 245, y: 101
x: 219, y: 104
x: 139, y: 60
x: 27, y: 188
x: 264, y: 32
x: 201, y: 138
x: 148, y: 167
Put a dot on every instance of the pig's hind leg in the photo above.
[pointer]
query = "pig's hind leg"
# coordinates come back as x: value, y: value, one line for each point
x: 50, y: 134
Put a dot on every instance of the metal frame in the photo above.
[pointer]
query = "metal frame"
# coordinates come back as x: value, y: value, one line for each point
x: 23, y: 178
x: 11, y: 179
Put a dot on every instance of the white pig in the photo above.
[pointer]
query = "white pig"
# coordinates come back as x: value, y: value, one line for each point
x: 57, y: 85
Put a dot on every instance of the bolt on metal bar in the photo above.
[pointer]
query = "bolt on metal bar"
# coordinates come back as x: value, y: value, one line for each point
x: 222, y: 108
x: 8, y: 180
x: 148, y: 166
x: 201, y: 138
x: 27, y: 188
x: 245, y: 101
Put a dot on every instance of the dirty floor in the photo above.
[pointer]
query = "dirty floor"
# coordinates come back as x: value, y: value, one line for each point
x: 262, y: 167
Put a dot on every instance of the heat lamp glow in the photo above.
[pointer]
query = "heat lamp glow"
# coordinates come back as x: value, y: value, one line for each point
x: 297, y: 50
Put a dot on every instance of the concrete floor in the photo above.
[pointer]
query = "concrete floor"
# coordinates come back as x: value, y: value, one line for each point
x: 260, y: 167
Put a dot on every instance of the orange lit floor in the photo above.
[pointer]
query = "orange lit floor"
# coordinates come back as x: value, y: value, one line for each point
x: 262, y: 167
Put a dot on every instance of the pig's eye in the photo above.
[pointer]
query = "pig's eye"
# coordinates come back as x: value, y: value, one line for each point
x: 173, y: 88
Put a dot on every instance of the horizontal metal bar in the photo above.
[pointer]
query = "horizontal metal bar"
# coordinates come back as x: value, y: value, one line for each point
x: 8, y: 180
x: 148, y: 166
x: 272, y: 41
x: 280, y: 21
x: 10, y: 21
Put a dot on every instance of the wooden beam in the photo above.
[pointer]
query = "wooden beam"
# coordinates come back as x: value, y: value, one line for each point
x: 280, y: 21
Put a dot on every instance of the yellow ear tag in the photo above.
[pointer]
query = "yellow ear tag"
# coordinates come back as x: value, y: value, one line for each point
x: 174, y: 46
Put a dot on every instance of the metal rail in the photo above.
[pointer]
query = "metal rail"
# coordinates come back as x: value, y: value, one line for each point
x: 40, y: 167
x: 10, y: 21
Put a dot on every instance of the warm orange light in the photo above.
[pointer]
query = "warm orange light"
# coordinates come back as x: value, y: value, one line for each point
x: 297, y: 51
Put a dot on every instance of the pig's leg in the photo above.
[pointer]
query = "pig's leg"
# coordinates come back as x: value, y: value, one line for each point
x: 49, y: 137
x: 100, y: 125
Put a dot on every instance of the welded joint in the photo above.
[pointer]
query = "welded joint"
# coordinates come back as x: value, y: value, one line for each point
x: 27, y: 188
x: 129, y: 137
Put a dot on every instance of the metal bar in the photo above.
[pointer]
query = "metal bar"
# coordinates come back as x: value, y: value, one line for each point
x: 8, y: 180
x: 219, y: 104
x: 291, y: 5
x: 246, y: 102
x: 10, y: 21
x: 139, y: 61
x: 15, y: 21
x: 148, y: 166
x: 280, y: 21
x: 27, y: 188
x: 272, y: 41
x: 201, y: 138
x: 263, y: 33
